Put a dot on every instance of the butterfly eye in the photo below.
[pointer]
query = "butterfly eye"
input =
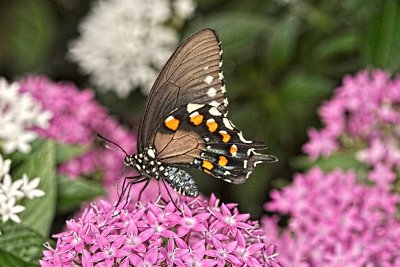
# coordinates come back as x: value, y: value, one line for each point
x: 128, y: 161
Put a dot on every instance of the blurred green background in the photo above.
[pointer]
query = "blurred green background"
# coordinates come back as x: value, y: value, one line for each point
x: 281, y: 60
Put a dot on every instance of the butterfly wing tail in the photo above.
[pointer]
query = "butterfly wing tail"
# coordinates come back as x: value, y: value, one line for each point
x: 258, y: 158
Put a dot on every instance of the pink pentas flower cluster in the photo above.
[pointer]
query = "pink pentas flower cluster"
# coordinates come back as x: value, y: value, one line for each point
x: 335, y: 221
x: 200, y: 233
x: 363, y: 115
x: 77, y: 117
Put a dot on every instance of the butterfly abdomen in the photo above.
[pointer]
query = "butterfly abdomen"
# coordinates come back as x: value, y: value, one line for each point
x: 181, y: 181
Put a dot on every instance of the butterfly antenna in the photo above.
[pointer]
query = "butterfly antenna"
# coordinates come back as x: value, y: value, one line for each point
x: 115, y: 144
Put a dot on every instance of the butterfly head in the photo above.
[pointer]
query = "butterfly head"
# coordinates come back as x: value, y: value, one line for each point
x: 129, y: 160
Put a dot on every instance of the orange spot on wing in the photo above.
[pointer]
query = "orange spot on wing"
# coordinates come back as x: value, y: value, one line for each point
x: 222, y: 161
x: 207, y: 165
x: 197, y: 119
x: 171, y: 123
x: 225, y: 136
x: 233, y: 150
x: 212, y: 125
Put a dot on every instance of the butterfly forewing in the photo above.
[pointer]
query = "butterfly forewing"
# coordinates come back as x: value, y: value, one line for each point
x: 193, y: 74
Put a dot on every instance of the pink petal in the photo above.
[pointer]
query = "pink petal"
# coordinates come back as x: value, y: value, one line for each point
x: 102, y: 241
x: 242, y: 217
x: 180, y: 243
x: 217, y: 244
x: 225, y: 210
x: 171, y: 245
x: 234, y: 260
x: 208, y: 263
x: 168, y: 234
x: 252, y: 249
x: 98, y: 256
x: 135, y: 260
x: 231, y: 246
x: 118, y: 242
x: 146, y: 234
x: 124, y: 263
x: 151, y: 256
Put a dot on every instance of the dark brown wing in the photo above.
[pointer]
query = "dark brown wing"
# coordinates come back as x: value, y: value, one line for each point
x: 193, y: 74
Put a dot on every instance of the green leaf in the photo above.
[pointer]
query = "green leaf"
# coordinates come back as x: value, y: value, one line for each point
x: 282, y: 44
x: 345, y: 160
x: 19, y: 245
x: 71, y: 193
x: 30, y: 33
x: 315, y: 16
x: 383, y: 37
x: 9, y: 260
x: 39, y: 212
x: 65, y: 152
x: 240, y: 42
x: 336, y: 45
x: 302, y: 88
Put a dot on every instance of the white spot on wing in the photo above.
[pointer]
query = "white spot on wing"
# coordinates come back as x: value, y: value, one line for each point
x: 221, y: 52
x: 221, y: 76
x: 226, y: 102
x: 250, y: 151
x: 227, y: 123
x: 211, y: 92
x: 194, y: 114
x: 208, y: 79
x: 223, y: 89
x: 206, y: 68
x: 170, y: 118
x: 220, y: 63
x: 240, y: 134
x: 227, y: 173
x: 245, y: 164
x: 214, y: 111
x: 151, y: 153
x: 256, y: 162
x: 247, y: 175
x: 214, y: 103
x: 192, y: 107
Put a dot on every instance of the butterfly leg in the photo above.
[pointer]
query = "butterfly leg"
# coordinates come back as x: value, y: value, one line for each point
x: 169, y: 193
x: 124, y: 183
x: 134, y: 180
x: 130, y: 184
x: 143, y: 188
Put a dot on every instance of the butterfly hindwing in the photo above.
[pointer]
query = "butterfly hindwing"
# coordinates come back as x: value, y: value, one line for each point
x: 202, y: 137
x: 193, y: 74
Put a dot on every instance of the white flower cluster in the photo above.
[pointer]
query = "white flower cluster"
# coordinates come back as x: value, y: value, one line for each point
x: 124, y: 43
x: 18, y: 113
x: 11, y: 192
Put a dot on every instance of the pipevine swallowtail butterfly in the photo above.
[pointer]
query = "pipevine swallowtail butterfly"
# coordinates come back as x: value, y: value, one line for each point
x: 185, y: 123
